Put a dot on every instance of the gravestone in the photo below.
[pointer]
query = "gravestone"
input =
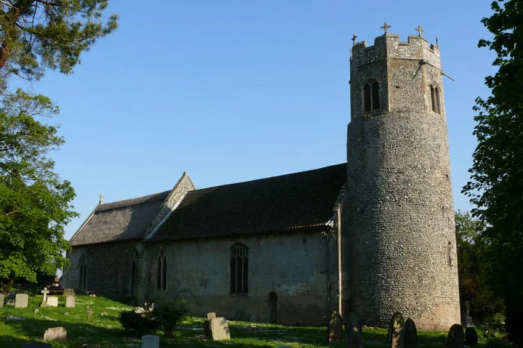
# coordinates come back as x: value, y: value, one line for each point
x: 335, y: 329
x: 471, y: 336
x: 211, y: 315
x: 150, y: 341
x: 21, y: 300
x: 456, y: 337
x: 466, y: 315
x: 10, y: 298
x: 52, y: 301
x: 354, y: 332
x: 410, y: 334
x: 55, y: 334
x: 70, y: 302
x: 396, y: 332
x: 69, y: 292
x: 2, y: 298
x: 89, y: 313
x: 216, y: 329
x: 44, y: 292
x: 36, y: 345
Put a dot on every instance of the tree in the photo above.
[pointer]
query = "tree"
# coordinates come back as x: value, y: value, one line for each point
x: 496, y: 184
x: 35, y: 204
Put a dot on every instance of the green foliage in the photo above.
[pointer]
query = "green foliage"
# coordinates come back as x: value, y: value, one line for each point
x: 170, y: 315
x: 39, y: 34
x: 138, y: 324
x: 496, y: 187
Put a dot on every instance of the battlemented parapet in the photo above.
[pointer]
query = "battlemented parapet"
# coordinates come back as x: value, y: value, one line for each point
x: 402, y: 244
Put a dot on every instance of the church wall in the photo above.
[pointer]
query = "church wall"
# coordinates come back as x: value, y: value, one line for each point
x: 296, y: 267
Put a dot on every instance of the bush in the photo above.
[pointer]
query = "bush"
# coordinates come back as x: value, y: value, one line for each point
x: 138, y: 325
x: 169, y: 315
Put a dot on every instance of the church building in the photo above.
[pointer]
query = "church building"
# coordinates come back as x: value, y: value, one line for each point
x: 373, y: 236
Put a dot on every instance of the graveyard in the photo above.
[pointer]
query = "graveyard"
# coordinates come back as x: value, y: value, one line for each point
x: 92, y: 322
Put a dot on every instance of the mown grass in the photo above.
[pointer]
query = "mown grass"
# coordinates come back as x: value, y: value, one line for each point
x: 104, y: 329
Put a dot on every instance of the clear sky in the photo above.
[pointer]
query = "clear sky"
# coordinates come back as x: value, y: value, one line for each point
x: 231, y: 91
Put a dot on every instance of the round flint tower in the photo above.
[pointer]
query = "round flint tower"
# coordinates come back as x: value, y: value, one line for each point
x: 402, y: 244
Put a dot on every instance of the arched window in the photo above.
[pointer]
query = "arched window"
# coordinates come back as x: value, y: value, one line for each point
x: 161, y: 272
x: 134, y: 270
x: 434, y: 96
x: 82, y: 273
x: 371, y: 96
x: 239, y: 269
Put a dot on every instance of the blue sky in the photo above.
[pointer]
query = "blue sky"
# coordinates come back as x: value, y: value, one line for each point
x: 231, y: 91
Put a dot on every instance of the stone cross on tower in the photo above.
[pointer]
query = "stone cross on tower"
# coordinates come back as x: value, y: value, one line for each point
x: 354, y: 37
x: 101, y: 199
x: 385, y: 27
x: 45, y: 292
x: 420, y: 31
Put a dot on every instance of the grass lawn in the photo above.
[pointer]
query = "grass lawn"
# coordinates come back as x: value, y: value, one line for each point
x: 104, y: 329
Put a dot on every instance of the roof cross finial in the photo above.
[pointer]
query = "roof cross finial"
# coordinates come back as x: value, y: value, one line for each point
x: 354, y: 37
x: 420, y: 31
x: 385, y: 27
x: 101, y: 199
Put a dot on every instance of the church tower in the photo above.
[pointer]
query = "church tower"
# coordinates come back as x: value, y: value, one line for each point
x: 400, y: 214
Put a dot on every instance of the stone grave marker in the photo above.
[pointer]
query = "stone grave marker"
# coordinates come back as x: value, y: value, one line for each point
x: 410, y: 334
x: 55, y: 334
x: 456, y: 337
x: 468, y: 322
x: 52, y: 301
x: 217, y: 329
x: 211, y: 315
x: 36, y: 345
x: 2, y: 298
x: 396, y: 332
x: 335, y: 329
x: 354, y: 332
x: 21, y: 301
x: 89, y: 313
x: 70, y: 301
x: 10, y: 298
x: 471, y: 336
x: 150, y: 341
x: 44, y: 292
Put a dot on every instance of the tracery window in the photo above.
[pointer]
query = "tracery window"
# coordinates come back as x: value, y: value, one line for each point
x: 434, y: 96
x: 371, y: 96
x: 82, y: 273
x: 161, y: 272
x: 239, y: 269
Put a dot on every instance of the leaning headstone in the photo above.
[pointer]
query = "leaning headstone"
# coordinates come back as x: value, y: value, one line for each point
x: 354, y: 332
x: 36, y: 345
x: 217, y: 329
x: 52, y: 301
x: 2, y: 298
x: 471, y: 336
x: 410, y: 334
x: 55, y: 334
x: 396, y: 332
x: 70, y: 302
x: 211, y: 315
x: 21, y: 301
x: 456, y: 337
x: 150, y: 341
x: 335, y: 329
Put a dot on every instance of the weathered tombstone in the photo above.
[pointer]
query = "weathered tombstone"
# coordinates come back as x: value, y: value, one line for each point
x: 10, y: 298
x: 36, y: 345
x: 396, y: 326
x: 335, y: 329
x: 36, y: 311
x: 69, y: 292
x: 410, y: 334
x: 52, y: 301
x: 354, y: 332
x: 21, y: 301
x: 456, y: 337
x: 150, y: 341
x: 471, y: 336
x: 44, y: 292
x: 2, y: 298
x: 211, y: 315
x: 55, y: 334
x: 217, y: 329
x: 468, y: 322
x: 70, y: 302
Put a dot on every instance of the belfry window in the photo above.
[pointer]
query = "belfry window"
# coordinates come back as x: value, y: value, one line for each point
x: 239, y: 269
x: 161, y: 272
x: 371, y: 97
x: 83, y: 273
x: 434, y: 96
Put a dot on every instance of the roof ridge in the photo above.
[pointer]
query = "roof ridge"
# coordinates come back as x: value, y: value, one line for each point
x: 129, y: 202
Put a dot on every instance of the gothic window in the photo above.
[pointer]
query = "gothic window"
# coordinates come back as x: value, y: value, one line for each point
x: 371, y: 96
x: 83, y: 273
x: 434, y: 96
x: 239, y: 269
x: 161, y: 272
